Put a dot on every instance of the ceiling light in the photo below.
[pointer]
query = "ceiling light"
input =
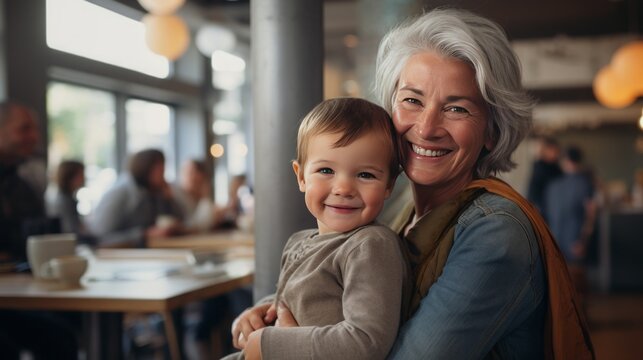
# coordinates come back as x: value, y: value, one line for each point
x: 166, y: 35
x: 619, y: 83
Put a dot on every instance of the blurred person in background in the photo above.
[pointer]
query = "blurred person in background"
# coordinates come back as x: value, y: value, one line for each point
x: 194, y: 195
x: 571, y: 205
x: 238, y: 210
x: 61, y: 201
x: 545, y: 169
x: 20, y: 204
x: 44, y: 334
x: 572, y: 213
x: 140, y: 205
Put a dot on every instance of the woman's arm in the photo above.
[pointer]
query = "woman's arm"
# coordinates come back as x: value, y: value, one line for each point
x: 491, y: 282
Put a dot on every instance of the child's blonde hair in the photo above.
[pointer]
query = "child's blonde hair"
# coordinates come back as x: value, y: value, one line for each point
x: 351, y: 117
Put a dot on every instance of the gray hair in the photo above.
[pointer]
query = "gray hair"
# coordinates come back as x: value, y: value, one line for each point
x: 482, y: 44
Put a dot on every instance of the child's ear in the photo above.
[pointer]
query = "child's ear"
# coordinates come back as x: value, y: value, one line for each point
x: 387, y: 192
x: 389, y: 188
x: 391, y: 184
x: 299, y: 173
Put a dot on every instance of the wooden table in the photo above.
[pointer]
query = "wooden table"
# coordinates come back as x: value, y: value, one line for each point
x: 216, y: 240
x: 111, y: 297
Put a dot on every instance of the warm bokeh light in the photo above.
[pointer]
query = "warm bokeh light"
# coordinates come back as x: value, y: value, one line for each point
x: 628, y: 63
x: 166, y: 35
x: 216, y: 150
x: 611, y: 90
x: 619, y: 83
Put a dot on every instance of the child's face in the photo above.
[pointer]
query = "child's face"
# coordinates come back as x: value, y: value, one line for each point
x: 345, y: 187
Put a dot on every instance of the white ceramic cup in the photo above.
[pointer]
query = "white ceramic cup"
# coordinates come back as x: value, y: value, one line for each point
x: 42, y: 248
x: 67, y: 269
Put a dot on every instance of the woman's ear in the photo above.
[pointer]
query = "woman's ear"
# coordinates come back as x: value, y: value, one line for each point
x: 490, y: 144
x: 299, y: 173
x: 490, y: 140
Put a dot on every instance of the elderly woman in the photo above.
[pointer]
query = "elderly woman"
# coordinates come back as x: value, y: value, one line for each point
x: 489, y: 280
x: 484, y: 262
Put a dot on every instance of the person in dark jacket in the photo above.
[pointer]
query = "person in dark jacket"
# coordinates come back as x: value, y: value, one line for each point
x: 45, y: 335
x: 545, y: 170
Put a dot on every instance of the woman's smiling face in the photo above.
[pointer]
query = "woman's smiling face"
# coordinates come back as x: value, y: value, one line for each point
x: 442, y: 119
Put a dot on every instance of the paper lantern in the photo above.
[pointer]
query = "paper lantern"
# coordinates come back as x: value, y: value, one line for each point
x: 161, y: 7
x: 210, y: 38
x: 628, y: 63
x: 611, y: 90
x: 166, y: 35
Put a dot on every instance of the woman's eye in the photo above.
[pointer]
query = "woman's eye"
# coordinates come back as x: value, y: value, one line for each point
x: 456, y: 112
x: 412, y: 101
x: 366, y: 175
x: 327, y: 171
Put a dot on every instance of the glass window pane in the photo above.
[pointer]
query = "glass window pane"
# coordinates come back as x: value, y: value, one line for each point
x: 149, y: 125
x: 82, y: 127
x: 88, y: 30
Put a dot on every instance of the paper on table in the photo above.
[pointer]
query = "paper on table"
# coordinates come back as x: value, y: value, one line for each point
x: 133, y: 270
x: 208, y: 270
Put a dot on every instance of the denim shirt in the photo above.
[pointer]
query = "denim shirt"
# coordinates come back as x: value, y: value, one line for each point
x: 490, y: 299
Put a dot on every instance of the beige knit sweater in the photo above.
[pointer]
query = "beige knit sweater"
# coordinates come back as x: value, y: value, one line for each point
x: 345, y: 291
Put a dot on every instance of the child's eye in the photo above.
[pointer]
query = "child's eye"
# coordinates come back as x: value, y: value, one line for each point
x: 327, y: 171
x: 366, y: 175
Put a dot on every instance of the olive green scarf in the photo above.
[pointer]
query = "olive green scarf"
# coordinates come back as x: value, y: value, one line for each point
x: 430, y: 240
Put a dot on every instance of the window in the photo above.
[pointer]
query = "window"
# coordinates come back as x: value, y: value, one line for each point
x: 149, y: 125
x: 82, y: 127
x: 88, y: 30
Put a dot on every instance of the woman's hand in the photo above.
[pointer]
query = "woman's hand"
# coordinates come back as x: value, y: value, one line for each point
x: 285, y: 317
x: 250, y: 320
x: 252, y: 350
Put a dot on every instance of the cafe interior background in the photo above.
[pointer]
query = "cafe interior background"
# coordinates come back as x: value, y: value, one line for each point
x: 103, y: 91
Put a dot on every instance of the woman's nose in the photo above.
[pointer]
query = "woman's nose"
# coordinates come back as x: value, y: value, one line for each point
x: 429, y: 123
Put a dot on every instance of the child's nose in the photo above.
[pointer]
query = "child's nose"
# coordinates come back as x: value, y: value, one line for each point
x: 343, y: 187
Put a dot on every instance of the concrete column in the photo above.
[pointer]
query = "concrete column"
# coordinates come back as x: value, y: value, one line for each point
x: 25, y: 54
x: 287, y: 58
